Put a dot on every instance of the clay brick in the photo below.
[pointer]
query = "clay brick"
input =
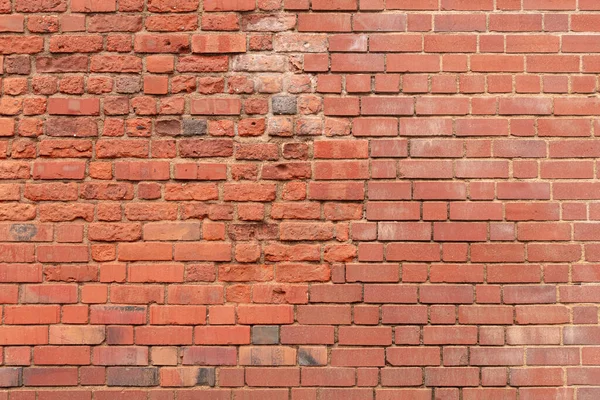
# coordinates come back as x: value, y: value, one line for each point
x: 50, y: 376
x: 120, y: 356
x: 265, y: 334
x: 132, y: 376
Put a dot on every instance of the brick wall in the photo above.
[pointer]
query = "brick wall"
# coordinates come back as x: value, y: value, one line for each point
x: 267, y: 199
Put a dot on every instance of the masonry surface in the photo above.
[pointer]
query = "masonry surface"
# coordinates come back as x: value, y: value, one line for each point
x: 299, y: 199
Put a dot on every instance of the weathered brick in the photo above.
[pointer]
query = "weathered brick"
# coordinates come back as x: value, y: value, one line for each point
x: 132, y: 376
x: 265, y: 334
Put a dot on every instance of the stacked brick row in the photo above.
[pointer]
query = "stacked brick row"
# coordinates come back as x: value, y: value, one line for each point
x: 299, y: 199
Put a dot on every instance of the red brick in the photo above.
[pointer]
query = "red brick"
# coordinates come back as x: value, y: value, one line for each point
x: 273, y: 377
x: 134, y: 315
x: 267, y: 314
x: 50, y: 376
x: 202, y: 252
x: 324, y: 22
x: 456, y: 273
x: 327, y: 377
x: 222, y: 5
x: 365, y: 336
x: 388, y: 191
x: 137, y: 294
x: 400, y: 314
x: 120, y: 356
x: 439, y: 190
x: 222, y: 106
x: 413, y: 63
x: 386, y: 106
x: 323, y: 314
x: 401, y: 376
x: 35, y: 315
x: 536, y: 377
x: 209, y: 355
x: 18, y: 335
x: 372, y: 273
x: 451, y: 376
x: 450, y: 43
x: 409, y: 5
x: 489, y: 393
x: 553, y: 356
x: 449, y: 335
x: 513, y: 273
x: 460, y: 23
x: 12, y: 272
x: 516, y: 23
x: 532, y: 44
x: 219, y: 43
x: 154, y: 335
x: 49, y: 293
x: 497, y: 356
x: 357, y: 62
x: 358, y: 357
x: 549, y: 5
x: 272, y: 355
x: 409, y: 356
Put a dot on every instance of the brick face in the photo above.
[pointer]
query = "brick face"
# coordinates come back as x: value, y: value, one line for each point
x: 299, y: 199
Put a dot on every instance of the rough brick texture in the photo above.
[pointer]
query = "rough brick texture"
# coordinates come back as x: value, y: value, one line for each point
x: 299, y: 199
